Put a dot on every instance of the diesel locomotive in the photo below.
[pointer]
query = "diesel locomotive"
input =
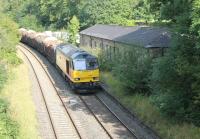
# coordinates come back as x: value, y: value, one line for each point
x: 78, y: 67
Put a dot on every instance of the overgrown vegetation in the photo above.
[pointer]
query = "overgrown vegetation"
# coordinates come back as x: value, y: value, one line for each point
x: 131, y: 66
x: 8, y: 40
x: 141, y: 105
x: 73, y: 29
x: 18, y: 93
x: 58, y: 13
x: 176, y: 76
x: 171, y: 82
x: 8, y: 128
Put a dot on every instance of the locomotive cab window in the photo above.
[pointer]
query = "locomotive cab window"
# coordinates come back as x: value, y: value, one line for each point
x: 91, y: 64
x: 85, y: 64
x: 79, y: 64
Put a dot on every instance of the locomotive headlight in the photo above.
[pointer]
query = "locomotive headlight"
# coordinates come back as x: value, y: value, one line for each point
x: 77, y: 79
x: 95, y: 78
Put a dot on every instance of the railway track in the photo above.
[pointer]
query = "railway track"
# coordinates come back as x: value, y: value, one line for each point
x: 59, y: 130
x: 63, y: 103
x: 92, y: 100
x: 140, y: 127
x: 107, y: 130
x: 107, y: 107
x: 49, y: 116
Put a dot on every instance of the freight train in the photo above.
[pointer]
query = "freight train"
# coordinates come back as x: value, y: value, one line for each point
x: 78, y: 67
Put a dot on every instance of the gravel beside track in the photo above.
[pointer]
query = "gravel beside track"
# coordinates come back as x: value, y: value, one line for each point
x: 106, y: 118
x: 46, y: 130
x: 141, y: 130
x: 61, y: 122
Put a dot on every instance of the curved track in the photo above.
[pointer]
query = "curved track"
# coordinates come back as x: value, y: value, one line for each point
x: 71, y: 118
x: 112, y: 114
x: 49, y: 115
x: 54, y: 115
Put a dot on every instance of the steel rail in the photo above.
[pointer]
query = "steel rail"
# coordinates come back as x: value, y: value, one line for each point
x: 107, y: 107
x: 64, y: 104
x: 148, y: 129
x: 49, y: 115
x: 95, y: 117
x: 55, y: 91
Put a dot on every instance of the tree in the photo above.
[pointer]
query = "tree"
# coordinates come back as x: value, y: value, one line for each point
x: 73, y: 29
x: 195, y: 28
x: 142, y: 11
x: 106, y: 12
x: 176, y: 76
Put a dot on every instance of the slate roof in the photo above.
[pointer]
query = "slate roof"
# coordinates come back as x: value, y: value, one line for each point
x: 145, y: 36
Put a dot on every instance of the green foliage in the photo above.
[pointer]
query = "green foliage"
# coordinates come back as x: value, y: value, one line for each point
x: 105, y: 62
x: 177, y: 11
x: 8, y: 128
x: 25, y: 12
x: 195, y: 28
x: 58, y: 13
x: 176, y: 76
x: 140, y: 104
x: 73, y: 29
x: 142, y: 11
x: 176, y: 79
x: 105, y: 12
x: 30, y: 22
x: 8, y: 40
x: 3, y: 76
x: 132, y: 67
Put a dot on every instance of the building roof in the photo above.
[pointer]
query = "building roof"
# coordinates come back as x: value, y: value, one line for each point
x: 145, y: 36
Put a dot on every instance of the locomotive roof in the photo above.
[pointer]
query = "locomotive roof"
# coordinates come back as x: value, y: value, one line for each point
x: 73, y: 52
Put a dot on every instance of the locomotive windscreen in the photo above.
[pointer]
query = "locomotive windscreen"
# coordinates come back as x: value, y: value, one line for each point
x: 85, y: 64
x: 91, y: 64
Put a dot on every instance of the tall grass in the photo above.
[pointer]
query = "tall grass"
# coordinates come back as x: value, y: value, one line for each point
x: 8, y: 127
x: 3, y: 76
x: 8, y: 59
x: 17, y: 92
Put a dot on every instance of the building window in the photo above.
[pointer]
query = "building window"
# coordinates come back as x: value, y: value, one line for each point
x: 90, y: 42
x: 95, y: 44
x: 114, y: 52
x: 110, y: 52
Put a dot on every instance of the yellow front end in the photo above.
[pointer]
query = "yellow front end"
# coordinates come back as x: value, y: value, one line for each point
x: 85, y: 76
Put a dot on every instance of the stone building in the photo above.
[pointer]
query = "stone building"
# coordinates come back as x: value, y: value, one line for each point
x: 115, y: 39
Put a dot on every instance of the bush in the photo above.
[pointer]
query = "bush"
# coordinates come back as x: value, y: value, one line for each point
x: 8, y: 40
x: 133, y: 70
x: 3, y: 76
x: 176, y: 79
x: 73, y: 29
x: 106, y: 64
x: 8, y: 128
x: 30, y: 22
x: 132, y: 67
